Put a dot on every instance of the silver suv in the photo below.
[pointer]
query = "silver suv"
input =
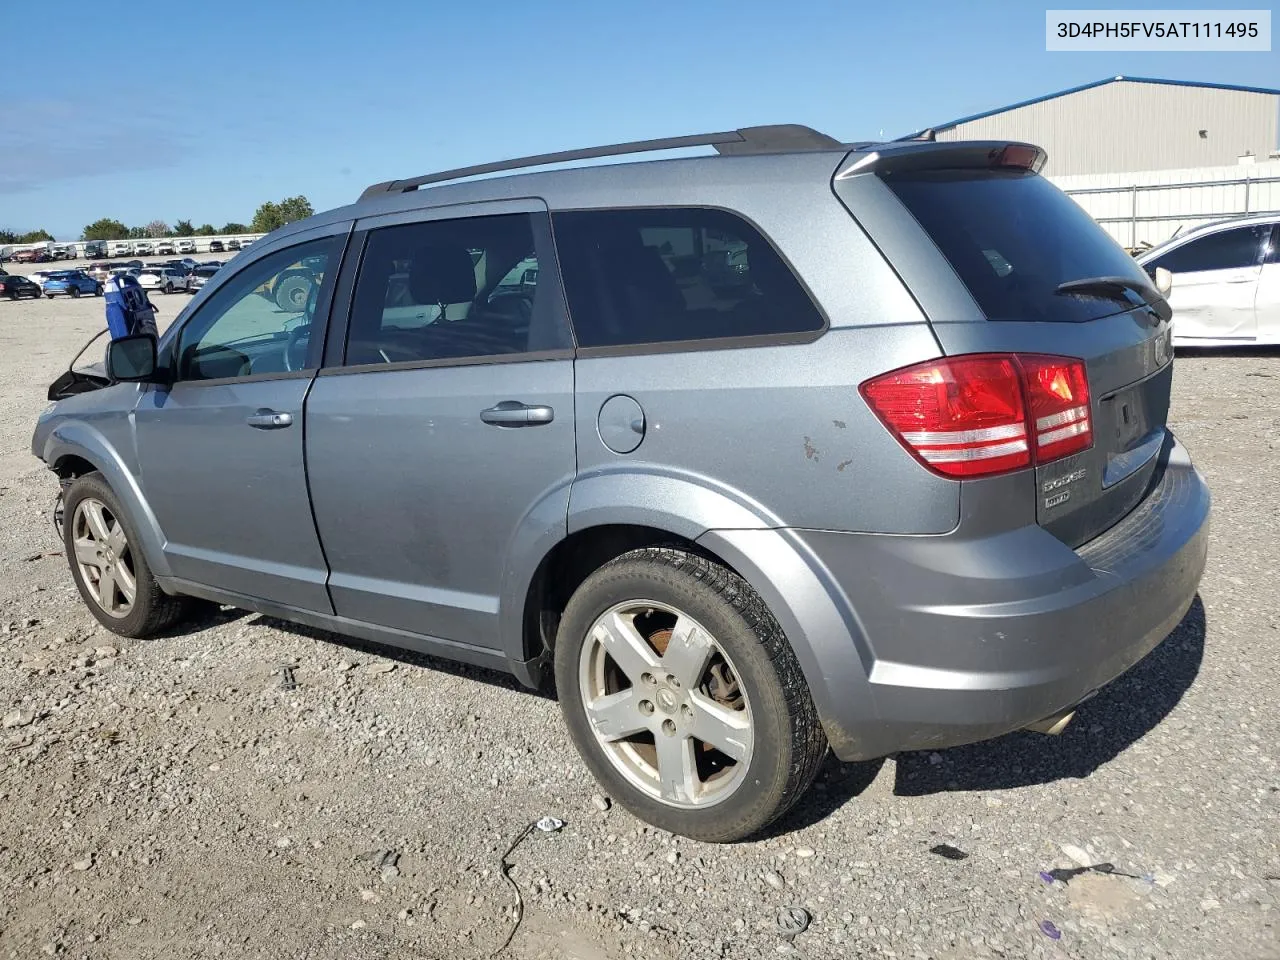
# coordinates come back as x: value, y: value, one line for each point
x: 805, y: 444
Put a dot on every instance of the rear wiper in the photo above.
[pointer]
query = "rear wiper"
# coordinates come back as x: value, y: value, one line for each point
x: 1113, y: 288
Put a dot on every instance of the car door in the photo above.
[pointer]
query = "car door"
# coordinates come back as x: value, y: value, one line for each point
x: 1266, y: 304
x: 221, y: 447
x: 441, y: 438
x: 1215, y: 283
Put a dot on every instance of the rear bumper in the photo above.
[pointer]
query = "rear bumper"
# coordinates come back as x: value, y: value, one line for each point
x: 949, y: 640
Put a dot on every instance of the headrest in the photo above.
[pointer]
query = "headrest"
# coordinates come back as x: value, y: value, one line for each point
x: 442, y: 275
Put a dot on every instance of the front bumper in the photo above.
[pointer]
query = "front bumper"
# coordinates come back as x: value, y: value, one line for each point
x: 957, y: 639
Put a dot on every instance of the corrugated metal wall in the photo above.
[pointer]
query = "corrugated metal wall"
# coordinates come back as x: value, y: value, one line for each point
x: 1128, y: 125
x: 1150, y: 206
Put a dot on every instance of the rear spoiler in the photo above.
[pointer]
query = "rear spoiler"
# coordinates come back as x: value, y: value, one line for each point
x: 911, y: 155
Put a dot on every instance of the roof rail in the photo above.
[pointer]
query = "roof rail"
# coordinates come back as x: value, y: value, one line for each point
x: 779, y: 138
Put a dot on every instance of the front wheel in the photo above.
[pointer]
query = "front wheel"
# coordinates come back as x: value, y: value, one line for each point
x: 682, y: 695
x: 168, y: 288
x: 107, y: 565
x: 75, y: 292
x: 97, y: 291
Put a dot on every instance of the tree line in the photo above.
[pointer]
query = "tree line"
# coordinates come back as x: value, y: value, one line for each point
x: 268, y: 217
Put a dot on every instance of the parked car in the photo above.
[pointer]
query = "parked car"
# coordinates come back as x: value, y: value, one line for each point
x: 94, y: 248
x: 99, y: 271
x: 232, y: 244
x: 186, y: 246
x: 245, y: 244
x: 121, y: 248
x: 73, y: 283
x: 30, y: 256
x: 162, y: 278
x: 15, y: 286
x: 143, y: 248
x: 215, y: 246
x: 1226, y: 281
x: 200, y: 276
x: 166, y: 248
x: 38, y: 277
x: 971, y: 517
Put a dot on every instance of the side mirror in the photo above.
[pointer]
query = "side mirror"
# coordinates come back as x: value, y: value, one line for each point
x: 132, y: 358
x: 1164, y: 281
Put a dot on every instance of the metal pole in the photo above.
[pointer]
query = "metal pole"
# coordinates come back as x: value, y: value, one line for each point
x: 1133, y: 216
x: 1246, y: 193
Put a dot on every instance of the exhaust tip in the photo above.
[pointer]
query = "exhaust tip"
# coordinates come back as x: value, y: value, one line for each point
x: 1053, y: 724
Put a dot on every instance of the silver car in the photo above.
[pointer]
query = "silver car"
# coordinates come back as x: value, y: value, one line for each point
x: 806, y: 445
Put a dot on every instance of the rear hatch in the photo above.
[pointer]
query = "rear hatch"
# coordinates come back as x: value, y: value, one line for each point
x: 1046, y: 279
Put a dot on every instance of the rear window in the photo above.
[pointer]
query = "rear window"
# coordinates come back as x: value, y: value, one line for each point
x: 1013, y: 237
x: 642, y: 276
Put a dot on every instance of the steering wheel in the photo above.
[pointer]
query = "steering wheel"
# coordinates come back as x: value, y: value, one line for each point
x: 297, y: 347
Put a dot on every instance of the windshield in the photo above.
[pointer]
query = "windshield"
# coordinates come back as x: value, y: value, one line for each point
x: 1013, y: 238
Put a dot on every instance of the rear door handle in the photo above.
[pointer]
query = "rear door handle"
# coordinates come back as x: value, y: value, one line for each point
x: 513, y: 413
x: 269, y: 420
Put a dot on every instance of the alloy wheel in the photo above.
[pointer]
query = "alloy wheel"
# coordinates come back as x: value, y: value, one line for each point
x: 104, y: 558
x: 665, y: 704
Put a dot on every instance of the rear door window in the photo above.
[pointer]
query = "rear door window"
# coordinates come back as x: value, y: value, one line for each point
x: 641, y: 276
x: 1013, y: 237
x: 1225, y: 250
x: 452, y: 290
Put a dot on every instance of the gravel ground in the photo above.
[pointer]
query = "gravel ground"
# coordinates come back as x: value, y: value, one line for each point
x: 170, y: 799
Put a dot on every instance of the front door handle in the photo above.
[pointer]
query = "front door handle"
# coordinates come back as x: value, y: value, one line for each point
x: 269, y: 420
x: 513, y: 413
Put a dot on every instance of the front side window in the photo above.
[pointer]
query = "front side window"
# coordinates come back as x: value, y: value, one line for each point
x: 1225, y: 250
x: 641, y: 276
x: 260, y: 321
x: 452, y: 290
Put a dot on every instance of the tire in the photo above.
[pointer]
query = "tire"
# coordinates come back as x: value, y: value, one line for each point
x: 292, y: 291
x: 168, y: 288
x: 74, y: 291
x: 150, y: 610
x: 97, y: 291
x: 745, y: 689
x: 49, y: 295
x: 13, y: 294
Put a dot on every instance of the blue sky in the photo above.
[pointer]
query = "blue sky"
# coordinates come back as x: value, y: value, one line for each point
x: 203, y: 111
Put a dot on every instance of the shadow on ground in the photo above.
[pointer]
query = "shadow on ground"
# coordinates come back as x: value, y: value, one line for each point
x: 1121, y: 714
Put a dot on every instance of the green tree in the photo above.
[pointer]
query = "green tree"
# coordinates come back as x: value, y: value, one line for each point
x: 271, y: 215
x: 157, y: 228
x: 183, y: 228
x: 34, y: 236
x: 206, y: 230
x: 234, y: 228
x: 105, y: 229
x: 137, y: 233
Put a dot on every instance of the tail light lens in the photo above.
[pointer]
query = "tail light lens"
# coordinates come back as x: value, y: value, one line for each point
x: 984, y: 414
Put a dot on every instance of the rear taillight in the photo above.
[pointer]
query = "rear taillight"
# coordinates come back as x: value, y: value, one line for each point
x: 983, y: 414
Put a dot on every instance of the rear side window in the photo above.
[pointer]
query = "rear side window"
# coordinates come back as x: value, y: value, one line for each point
x: 452, y: 290
x: 1013, y: 237
x: 1225, y: 250
x: 675, y: 274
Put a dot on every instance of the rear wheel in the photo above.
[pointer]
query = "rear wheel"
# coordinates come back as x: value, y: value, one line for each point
x: 109, y: 569
x: 97, y: 291
x: 683, y: 697
x: 74, y: 291
x: 49, y: 295
x: 168, y: 288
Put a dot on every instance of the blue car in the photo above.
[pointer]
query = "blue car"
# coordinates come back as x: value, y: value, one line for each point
x: 72, y: 283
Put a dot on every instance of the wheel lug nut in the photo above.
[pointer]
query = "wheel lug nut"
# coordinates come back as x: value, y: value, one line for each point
x: 646, y: 707
x: 686, y: 711
x: 648, y: 678
x: 669, y: 727
x: 674, y: 682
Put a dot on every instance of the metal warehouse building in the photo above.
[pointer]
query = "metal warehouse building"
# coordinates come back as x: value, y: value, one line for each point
x: 1135, y: 123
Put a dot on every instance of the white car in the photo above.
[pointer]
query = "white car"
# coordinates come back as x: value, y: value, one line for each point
x: 165, y: 247
x: 1226, y: 282
x: 186, y: 246
x: 121, y: 249
x: 39, y: 276
x: 143, y: 248
x: 163, y: 278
